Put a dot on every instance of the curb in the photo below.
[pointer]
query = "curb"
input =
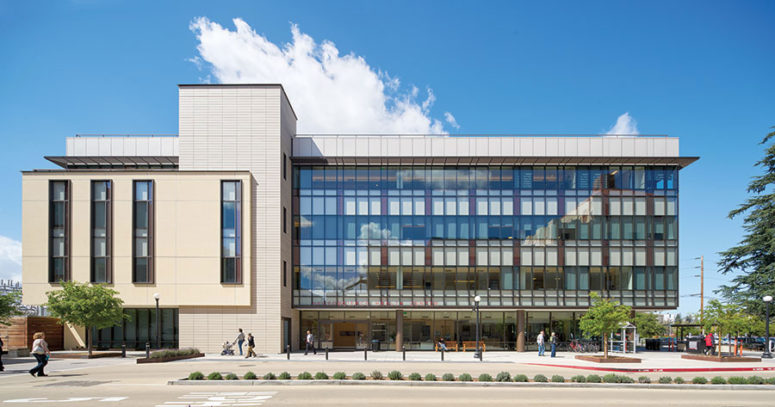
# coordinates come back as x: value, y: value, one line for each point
x: 259, y: 382
x: 659, y: 370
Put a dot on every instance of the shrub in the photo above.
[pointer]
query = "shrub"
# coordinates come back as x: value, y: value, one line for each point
x: 231, y: 376
x: 376, y: 375
x: 626, y: 379
x: 465, y: 377
x: 770, y: 380
x: 665, y: 380
x: 611, y: 378
x: 558, y: 379
x: 448, y: 377
x: 679, y: 380
x: 196, y: 376
x: 340, y: 376
x: 214, y: 376
x: 321, y: 376
x: 539, y: 378
x: 699, y: 380
x: 171, y: 353
x: 755, y: 380
x: 578, y: 379
x: 304, y: 376
x: 252, y: 376
x: 359, y: 376
x: 520, y: 378
x: 430, y: 377
x: 415, y: 377
x: 644, y: 379
x: 268, y: 376
x: 593, y: 378
x: 395, y: 375
x: 503, y: 377
x: 484, y: 377
x: 718, y: 380
x: 736, y: 380
x: 284, y: 376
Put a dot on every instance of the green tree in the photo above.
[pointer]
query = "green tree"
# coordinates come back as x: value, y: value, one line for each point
x: 89, y: 306
x: 726, y: 319
x: 648, y: 324
x: 9, y: 306
x: 603, y: 318
x: 753, y: 259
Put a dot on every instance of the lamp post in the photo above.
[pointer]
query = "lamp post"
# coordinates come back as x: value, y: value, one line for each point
x: 767, y: 355
x: 478, y: 353
x: 158, y: 325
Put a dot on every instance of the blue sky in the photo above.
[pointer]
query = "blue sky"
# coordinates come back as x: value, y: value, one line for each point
x: 699, y: 70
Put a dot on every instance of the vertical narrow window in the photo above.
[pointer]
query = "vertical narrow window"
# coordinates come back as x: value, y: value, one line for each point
x: 285, y: 273
x: 285, y: 223
x: 285, y: 166
x: 231, y: 232
x: 101, y: 232
x: 59, y: 231
x: 142, y: 243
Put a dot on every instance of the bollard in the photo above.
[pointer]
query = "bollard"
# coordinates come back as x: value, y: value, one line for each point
x: 404, y: 349
x: 288, y: 352
x: 147, y: 350
x: 123, y: 350
x: 442, y: 355
x: 480, y: 354
x: 326, y: 352
x: 364, y: 354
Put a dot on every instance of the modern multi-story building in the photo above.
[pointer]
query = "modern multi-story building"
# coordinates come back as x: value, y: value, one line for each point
x: 239, y: 222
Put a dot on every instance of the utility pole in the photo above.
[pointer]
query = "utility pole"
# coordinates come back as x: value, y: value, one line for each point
x: 702, y: 288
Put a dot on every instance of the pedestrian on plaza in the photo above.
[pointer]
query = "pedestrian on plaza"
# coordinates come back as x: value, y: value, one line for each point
x: 553, y: 342
x: 41, y: 353
x: 1, y: 355
x: 310, y: 343
x: 251, y: 345
x: 240, y: 340
x: 541, y: 345
x: 709, y: 344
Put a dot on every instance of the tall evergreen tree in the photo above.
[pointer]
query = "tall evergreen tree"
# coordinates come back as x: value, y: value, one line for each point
x: 754, y: 257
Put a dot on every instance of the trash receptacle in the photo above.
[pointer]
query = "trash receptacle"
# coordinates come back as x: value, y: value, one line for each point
x: 375, y: 345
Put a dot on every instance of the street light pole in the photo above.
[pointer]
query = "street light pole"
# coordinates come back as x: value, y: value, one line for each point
x: 478, y: 353
x: 158, y: 319
x: 767, y: 355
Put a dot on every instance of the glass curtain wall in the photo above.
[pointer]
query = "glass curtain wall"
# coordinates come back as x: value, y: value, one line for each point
x: 422, y: 329
x: 139, y: 328
x: 425, y: 236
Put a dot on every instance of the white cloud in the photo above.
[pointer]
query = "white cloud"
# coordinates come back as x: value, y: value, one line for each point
x: 625, y: 125
x: 451, y: 120
x: 10, y: 259
x: 331, y: 93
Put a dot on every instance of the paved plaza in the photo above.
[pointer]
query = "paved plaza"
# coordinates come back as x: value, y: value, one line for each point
x: 122, y: 382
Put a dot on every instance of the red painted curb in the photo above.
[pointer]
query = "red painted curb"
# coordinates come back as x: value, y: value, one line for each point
x: 647, y: 370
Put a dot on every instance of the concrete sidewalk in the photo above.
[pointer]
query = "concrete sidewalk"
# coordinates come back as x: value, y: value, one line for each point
x: 126, y: 371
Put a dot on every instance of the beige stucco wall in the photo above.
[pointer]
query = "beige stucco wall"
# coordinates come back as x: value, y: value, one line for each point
x: 244, y: 127
x: 187, y: 245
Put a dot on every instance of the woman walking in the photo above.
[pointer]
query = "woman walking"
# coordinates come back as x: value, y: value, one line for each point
x: 41, y: 353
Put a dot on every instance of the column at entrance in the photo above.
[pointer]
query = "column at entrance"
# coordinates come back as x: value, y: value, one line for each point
x: 399, y: 330
x: 521, y: 331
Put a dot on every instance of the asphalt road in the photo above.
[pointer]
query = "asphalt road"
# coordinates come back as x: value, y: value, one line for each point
x: 78, y: 392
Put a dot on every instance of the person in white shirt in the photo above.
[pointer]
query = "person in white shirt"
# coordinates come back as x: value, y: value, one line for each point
x: 41, y: 353
x: 541, y: 344
x: 310, y: 343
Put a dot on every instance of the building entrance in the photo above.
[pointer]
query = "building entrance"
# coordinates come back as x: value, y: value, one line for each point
x: 349, y: 334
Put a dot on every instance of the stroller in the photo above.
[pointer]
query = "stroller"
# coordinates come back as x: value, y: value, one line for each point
x: 227, y: 349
